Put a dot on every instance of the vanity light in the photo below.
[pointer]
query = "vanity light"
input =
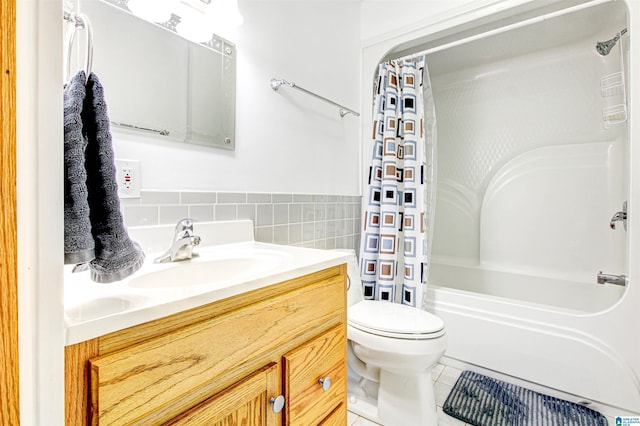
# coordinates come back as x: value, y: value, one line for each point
x: 193, y: 23
x: 199, y: 19
x: 225, y: 13
x: 153, y: 10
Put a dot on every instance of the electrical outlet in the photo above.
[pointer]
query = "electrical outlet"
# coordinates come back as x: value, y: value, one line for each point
x: 128, y: 178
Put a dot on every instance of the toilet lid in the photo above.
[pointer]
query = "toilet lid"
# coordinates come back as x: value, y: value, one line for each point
x: 393, y: 318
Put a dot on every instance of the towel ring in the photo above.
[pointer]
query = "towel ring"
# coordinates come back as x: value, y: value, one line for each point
x: 80, y: 21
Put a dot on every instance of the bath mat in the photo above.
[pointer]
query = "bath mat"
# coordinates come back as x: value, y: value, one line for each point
x: 483, y: 401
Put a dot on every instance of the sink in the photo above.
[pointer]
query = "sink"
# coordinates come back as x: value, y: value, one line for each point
x: 218, y: 270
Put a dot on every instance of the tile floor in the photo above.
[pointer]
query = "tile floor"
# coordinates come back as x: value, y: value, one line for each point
x: 444, y: 378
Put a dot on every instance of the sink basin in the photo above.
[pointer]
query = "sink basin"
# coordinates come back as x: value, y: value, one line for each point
x: 218, y: 270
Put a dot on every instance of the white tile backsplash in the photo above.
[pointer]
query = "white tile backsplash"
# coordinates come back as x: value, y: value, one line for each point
x: 172, y: 214
x: 159, y: 197
x: 190, y: 197
x: 307, y: 220
x: 258, y: 198
x: 204, y: 213
x: 232, y: 197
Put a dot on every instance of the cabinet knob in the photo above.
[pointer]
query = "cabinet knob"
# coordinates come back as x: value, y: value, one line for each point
x: 325, y: 383
x: 277, y: 403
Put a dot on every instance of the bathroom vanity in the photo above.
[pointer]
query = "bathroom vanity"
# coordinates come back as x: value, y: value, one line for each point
x: 271, y: 355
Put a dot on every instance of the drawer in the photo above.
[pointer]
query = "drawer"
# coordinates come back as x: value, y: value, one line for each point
x: 323, y: 357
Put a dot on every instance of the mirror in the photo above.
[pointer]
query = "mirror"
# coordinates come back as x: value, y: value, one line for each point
x: 159, y: 83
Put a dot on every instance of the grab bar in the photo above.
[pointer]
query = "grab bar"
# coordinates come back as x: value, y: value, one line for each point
x: 276, y: 83
x: 80, y: 21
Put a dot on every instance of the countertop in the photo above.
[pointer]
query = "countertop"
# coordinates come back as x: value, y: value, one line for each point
x: 158, y: 290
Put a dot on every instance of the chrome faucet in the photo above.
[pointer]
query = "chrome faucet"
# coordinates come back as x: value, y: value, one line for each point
x: 620, y: 216
x: 183, y: 243
x: 612, y: 279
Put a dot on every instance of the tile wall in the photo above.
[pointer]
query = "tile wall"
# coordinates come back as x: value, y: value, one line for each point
x: 305, y: 220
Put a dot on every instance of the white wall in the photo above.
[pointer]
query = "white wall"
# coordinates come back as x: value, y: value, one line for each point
x: 382, y: 18
x: 286, y: 141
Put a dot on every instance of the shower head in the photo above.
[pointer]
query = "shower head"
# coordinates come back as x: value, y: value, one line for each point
x: 604, y: 47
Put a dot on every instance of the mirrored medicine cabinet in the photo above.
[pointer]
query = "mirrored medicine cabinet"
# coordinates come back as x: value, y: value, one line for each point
x: 158, y: 83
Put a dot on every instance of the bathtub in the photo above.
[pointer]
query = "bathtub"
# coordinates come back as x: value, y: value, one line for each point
x: 525, y: 290
x: 535, y: 329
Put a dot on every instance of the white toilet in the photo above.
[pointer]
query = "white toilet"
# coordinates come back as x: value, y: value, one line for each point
x: 392, y: 350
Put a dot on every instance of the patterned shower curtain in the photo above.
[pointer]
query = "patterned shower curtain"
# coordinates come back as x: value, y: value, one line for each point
x: 398, y: 202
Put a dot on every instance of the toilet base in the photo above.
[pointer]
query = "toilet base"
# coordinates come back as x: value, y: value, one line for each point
x: 406, y: 400
x: 361, y: 400
x: 401, y: 400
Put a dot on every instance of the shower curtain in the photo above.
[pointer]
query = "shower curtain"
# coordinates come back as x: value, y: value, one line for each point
x: 398, y: 203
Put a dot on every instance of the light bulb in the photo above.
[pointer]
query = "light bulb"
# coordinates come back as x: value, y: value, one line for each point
x: 198, y: 23
x: 193, y: 25
x: 152, y: 10
x: 224, y: 13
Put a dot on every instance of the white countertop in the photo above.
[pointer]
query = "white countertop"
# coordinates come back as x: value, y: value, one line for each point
x: 93, y: 309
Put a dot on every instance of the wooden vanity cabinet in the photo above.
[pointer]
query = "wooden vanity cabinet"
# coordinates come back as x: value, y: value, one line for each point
x: 222, y: 363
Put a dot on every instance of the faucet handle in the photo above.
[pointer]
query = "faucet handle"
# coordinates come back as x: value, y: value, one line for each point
x: 185, y: 224
x: 620, y: 216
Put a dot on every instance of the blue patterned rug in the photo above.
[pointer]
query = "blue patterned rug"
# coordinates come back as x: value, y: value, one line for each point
x: 482, y: 401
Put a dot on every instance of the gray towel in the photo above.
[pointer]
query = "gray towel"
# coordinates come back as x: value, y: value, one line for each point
x: 78, y: 241
x: 116, y: 255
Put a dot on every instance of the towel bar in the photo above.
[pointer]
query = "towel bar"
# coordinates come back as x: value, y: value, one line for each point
x: 80, y: 21
x: 276, y: 83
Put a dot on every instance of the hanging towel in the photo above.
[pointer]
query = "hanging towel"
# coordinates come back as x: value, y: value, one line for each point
x: 78, y: 241
x: 116, y: 255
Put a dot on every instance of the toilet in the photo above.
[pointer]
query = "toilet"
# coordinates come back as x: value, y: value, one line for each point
x: 392, y: 351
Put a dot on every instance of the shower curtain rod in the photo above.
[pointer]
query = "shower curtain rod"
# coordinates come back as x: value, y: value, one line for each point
x: 276, y: 83
x: 504, y: 29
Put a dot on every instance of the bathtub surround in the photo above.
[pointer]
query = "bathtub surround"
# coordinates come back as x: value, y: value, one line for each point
x: 394, y: 252
x: 522, y: 137
x: 305, y: 220
x: 500, y: 254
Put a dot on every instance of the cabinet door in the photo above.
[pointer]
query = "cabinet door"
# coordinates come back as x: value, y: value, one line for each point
x: 245, y: 403
x: 323, y: 357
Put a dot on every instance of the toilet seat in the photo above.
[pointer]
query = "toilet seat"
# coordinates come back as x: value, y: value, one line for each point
x: 394, y: 320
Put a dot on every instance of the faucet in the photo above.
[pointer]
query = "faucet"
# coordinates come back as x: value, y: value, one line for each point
x: 612, y: 279
x: 620, y: 216
x: 183, y: 243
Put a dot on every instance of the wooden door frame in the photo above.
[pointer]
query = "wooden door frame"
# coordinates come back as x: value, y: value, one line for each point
x: 9, y: 375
